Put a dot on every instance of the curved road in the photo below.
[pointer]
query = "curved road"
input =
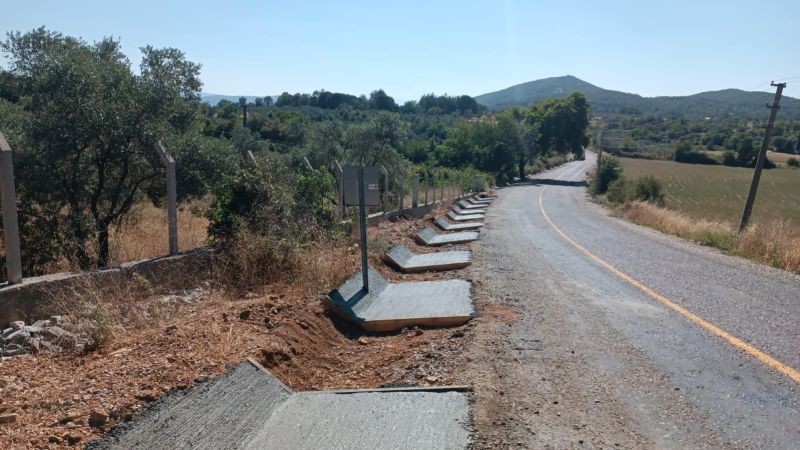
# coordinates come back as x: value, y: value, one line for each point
x: 627, y: 337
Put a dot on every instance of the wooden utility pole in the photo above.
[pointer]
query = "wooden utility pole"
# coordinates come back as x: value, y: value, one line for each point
x: 762, y: 155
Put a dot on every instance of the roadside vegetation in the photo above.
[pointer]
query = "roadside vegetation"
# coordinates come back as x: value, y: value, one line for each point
x: 82, y: 124
x: 700, y: 207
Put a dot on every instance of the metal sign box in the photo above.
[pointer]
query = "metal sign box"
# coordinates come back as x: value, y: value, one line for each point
x: 372, y: 188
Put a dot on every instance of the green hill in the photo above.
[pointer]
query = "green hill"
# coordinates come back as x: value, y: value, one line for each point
x: 605, y: 101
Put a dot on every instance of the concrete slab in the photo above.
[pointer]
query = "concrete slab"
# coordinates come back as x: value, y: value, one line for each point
x: 392, y: 306
x: 368, y: 420
x: 464, y: 217
x: 400, y: 256
x: 458, y: 210
x: 427, y: 236
x: 480, y: 202
x: 225, y: 413
x: 446, y: 225
x: 467, y: 205
x: 249, y: 408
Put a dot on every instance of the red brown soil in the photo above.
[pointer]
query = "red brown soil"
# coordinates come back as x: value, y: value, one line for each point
x: 287, y: 329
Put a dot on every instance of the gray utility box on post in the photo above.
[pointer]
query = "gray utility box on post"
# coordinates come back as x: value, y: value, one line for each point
x: 372, y: 188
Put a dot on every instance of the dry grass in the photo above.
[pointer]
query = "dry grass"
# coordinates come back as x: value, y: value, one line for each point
x: 143, y: 232
x: 772, y: 242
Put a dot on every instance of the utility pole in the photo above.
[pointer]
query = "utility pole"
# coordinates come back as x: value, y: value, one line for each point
x: 762, y: 154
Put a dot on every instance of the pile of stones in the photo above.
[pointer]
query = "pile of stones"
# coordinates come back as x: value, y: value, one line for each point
x: 56, y: 334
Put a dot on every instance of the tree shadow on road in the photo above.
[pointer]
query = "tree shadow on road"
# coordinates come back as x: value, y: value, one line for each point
x: 553, y: 182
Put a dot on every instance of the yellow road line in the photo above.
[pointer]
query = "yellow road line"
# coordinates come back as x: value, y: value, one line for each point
x: 735, y: 341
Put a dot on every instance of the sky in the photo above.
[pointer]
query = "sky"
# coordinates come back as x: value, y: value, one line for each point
x: 409, y: 48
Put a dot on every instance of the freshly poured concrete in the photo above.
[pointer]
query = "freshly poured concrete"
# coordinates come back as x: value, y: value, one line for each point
x: 402, y: 257
x: 459, y: 210
x: 392, y: 306
x: 368, y: 420
x: 464, y: 217
x: 427, y: 236
x: 467, y: 205
x: 249, y: 408
x: 445, y: 225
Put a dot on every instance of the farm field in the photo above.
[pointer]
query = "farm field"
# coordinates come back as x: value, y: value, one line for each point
x: 719, y: 192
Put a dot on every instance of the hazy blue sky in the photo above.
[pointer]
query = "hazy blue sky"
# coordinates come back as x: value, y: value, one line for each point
x: 409, y: 48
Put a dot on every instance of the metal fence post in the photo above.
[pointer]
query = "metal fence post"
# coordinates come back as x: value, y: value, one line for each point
x: 172, y: 197
x: 8, y: 201
x: 415, y: 192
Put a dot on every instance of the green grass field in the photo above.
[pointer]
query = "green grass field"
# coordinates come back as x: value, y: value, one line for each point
x: 719, y: 192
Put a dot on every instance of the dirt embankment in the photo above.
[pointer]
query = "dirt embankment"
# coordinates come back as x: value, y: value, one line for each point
x: 66, y: 399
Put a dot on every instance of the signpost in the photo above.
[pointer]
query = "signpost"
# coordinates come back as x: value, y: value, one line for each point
x: 362, y: 188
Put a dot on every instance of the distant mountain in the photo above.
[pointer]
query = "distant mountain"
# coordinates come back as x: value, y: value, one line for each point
x: 605, y: 101
x: 213, y: 99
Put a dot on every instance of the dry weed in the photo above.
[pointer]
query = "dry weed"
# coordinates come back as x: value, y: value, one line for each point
x: 143, y: 233
x: 772, y: 243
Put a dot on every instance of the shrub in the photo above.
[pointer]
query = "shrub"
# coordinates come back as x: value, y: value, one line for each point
x: 609, y: 171
x: 686, y: 154
x: 649, y: 189
x: 729, y: 158
x: 618, y: 191
x: 793, y: 162
x: 258, y: 227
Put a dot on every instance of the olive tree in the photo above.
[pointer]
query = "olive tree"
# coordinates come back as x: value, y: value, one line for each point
x: 88, y: 151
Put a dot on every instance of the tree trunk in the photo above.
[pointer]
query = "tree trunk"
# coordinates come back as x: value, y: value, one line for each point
x: 102, y: 244
x: 522, y: 169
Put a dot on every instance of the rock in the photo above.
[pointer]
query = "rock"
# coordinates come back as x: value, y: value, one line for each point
x: 70, y: 416
x: 56, y: 320
x: 53, y: 439
x: 146, y: 395
x: 73, y: 438
x: 274, y: 310
x: 431, y: 379
x: 19, y: 337
x: 17, y: 324
x: 34, y: 344
x: 8, y: 418
x: 244, y: 315
x: 7, y: 331
x: 363, y: 340
x: 97, y: 418
x: 41, y: 323
x: 171, y: 329
x: 12, y: 350
x: 32, y: 329
x: 250, y: 295
x: 55, y: 332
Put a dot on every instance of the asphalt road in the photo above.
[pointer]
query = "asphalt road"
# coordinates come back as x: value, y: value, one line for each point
x: 627, y: 337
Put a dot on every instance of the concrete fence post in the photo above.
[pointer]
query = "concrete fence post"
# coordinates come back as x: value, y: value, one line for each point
x: 250, y: 157
x: 172, y: 197
x: 415, y: 192
x: 402, y: 191
x: 427, y: 187
x: 8, y: 201
x: 385, y: 198
x: 339, y: 174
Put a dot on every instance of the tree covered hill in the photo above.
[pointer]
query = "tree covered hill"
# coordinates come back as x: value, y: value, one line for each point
x: 605, y: 101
